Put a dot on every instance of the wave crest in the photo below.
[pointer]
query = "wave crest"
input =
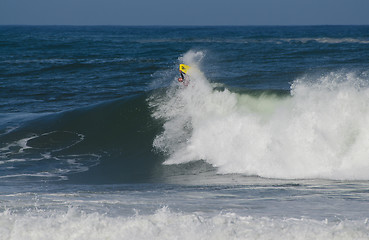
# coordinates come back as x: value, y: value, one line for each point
x: 318, y: 131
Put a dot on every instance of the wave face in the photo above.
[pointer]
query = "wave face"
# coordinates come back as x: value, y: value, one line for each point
x: 317, y: 130
x: 107, y: 142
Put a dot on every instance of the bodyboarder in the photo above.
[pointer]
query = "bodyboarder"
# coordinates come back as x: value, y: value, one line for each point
x: 183, y: 71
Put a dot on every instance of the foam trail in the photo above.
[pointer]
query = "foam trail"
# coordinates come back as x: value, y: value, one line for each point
x: 320, y: 131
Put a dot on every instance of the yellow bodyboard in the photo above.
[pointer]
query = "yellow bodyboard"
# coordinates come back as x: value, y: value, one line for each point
x: 184, y: 68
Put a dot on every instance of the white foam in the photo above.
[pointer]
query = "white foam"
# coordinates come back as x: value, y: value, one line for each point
x: 320, y: 131
x: 58, y: 165
x: 327, y: 40
x: 165, y: 224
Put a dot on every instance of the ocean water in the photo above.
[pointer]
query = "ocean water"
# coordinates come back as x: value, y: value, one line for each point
x: 269, y: 140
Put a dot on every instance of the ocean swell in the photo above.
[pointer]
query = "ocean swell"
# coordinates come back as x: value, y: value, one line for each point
x: 103, y: 143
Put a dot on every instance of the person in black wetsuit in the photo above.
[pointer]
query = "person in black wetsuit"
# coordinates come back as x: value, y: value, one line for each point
x: 181, y: 78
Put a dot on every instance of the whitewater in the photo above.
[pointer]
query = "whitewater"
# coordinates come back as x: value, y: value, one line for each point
x: 165, y: 224
x: 318, y: 130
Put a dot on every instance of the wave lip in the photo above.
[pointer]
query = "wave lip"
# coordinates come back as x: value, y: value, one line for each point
x: 319, y: 131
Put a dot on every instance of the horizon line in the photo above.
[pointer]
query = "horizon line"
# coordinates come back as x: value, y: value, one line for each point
x: 180, y: 25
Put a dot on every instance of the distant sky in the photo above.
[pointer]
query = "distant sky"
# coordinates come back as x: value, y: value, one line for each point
x: 189, y: 12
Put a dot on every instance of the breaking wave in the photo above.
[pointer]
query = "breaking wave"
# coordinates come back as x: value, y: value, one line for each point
x: 317, y: 130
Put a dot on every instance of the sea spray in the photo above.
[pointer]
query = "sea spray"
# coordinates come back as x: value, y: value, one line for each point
x: 318, y: 131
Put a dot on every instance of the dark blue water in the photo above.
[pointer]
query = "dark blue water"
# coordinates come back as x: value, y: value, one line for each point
x: 272, y: 124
